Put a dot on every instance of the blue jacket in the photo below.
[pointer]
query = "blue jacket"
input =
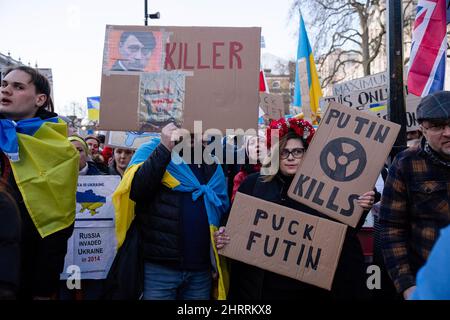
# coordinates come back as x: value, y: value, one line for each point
x: 433, y: 279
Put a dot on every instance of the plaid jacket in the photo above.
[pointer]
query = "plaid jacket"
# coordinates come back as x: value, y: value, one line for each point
x: 415, y: 205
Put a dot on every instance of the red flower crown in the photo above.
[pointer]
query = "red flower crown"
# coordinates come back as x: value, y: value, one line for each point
x: 301, y: 127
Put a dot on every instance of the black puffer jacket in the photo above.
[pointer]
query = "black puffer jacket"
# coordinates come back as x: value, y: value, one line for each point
x: 252, y: 283
x: 158, y: 210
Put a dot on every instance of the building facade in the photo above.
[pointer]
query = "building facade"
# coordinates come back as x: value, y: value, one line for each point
x: 6, y: 61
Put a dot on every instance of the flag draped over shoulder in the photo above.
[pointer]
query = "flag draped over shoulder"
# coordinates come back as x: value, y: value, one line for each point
x: 178, y: 177
x: 123, y: 205
x: 304, y: 51
x: 45, y: 167
x: 428, y: 49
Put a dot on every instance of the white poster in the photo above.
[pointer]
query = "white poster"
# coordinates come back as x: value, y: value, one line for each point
x: 93, y: 244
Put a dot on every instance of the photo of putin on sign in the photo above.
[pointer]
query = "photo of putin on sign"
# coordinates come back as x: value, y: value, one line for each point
x: 135, y: 50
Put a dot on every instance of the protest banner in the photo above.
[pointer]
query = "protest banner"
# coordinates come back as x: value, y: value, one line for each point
x: 351, y: 147
x: 128, y: 139
x: 210, y: 74
x: 357, y: 98
x: 375, y: 100
x: 368, y: 82
x: 284, y: 240
x: 92, y: 246
x: 272, y: 104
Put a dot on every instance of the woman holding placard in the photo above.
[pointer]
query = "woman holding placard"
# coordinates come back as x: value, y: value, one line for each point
x: 250, y: 282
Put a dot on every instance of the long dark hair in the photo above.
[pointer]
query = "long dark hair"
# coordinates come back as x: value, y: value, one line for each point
x: 41, y: 84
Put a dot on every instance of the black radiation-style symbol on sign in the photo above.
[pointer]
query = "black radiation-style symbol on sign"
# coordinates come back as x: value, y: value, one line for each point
x: 343, y: 159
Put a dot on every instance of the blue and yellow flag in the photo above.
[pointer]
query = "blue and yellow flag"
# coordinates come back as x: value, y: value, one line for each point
x: 45, y: 167
x: 93, y: 106
x: 178, y: 177
x: 315, y: 91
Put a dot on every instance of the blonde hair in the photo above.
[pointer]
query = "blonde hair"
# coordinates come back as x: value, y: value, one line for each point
x: 80, y: 140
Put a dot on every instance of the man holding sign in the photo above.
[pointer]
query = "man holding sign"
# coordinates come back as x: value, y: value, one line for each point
x: 251, y: 282
x: 178, y: 203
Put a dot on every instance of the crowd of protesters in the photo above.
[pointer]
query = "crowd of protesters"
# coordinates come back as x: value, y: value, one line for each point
x: 177, y: 210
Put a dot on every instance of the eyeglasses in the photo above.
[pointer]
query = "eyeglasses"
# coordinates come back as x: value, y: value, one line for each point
x: 437, y: 128
x: 297, y: 153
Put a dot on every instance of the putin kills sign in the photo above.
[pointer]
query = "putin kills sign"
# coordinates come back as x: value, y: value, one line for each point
x: 284, y: 240
x: 343, y: 161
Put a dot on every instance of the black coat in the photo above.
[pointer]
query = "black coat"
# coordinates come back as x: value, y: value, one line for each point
x: 158, y: 210
x: 249, y: 282
x: 9, y: 245
x: 112, y: 169
x: 93, y: 169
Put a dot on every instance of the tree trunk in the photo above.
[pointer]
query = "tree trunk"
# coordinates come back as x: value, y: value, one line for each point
x: 365, y: 44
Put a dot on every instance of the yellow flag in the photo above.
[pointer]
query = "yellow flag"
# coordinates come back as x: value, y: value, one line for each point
x: 47, y: 175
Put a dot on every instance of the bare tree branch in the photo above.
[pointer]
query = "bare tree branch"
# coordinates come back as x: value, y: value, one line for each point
x: 351, y: 33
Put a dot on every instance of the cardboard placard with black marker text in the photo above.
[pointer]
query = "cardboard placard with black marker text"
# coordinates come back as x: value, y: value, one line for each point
x: 283, y: 240
x: 343, y: 161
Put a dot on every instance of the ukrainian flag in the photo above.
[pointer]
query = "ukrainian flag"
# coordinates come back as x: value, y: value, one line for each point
x: 315, y: 91
x: 45, y: 167
x: 178, y: 177
x: 93, y: 104
x: 377, y: 107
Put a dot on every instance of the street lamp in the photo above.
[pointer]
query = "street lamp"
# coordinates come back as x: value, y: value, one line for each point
x: 151, y: 16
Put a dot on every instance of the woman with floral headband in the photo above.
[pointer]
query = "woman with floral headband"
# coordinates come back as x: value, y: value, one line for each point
x: 250, y: 282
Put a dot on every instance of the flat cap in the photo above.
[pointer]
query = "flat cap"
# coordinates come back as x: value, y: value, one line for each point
x: 434, y: 106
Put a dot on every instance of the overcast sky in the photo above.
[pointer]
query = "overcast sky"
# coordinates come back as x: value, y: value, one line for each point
x: 68, y: 36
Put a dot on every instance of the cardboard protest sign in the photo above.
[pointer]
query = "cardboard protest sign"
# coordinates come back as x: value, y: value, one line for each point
x: 412, y: 102
x: 343, y: 161
x: 284, y: 240
x: 181, y: 74
x: 92, y: 246
x: 128, y: 139
x: 272, y: 104
x: 304, y: 89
